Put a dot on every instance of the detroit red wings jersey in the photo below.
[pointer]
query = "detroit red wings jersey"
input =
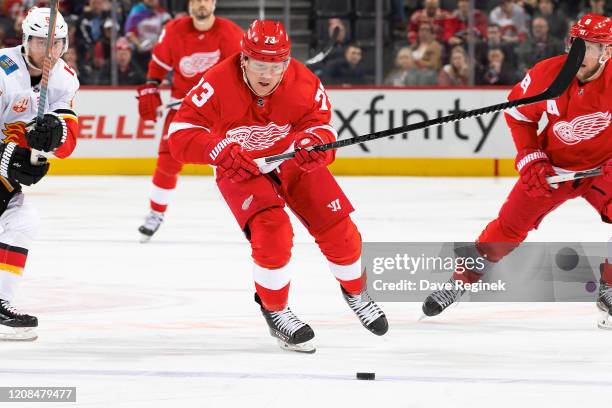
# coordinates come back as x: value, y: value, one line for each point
x: 578, y: 135
x: 189, y: 52
x: 222, y: 107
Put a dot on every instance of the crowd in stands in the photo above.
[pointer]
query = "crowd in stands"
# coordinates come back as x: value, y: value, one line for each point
x: 426, y: 42
x: 432, y: 43
x: 90, y: 23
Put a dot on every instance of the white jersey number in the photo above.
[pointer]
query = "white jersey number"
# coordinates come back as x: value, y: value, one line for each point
x: 207, y: 91
x: 321, y: 96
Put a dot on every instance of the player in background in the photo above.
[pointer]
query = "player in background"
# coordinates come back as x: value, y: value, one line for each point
x: 578, y: 136
x: 257, y: 103
x: 20, y: 77
x: 188, y: 47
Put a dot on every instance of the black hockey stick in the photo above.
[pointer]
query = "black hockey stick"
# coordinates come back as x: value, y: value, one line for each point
x: 557, y: 87
x: 323, y: 54
x: 560, y: 178
x: 36, y: 156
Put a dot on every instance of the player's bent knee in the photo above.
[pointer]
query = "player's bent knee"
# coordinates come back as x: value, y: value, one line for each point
x: 498, y: 240
x: 271, y: 237
x: 167, y: 165
x: 340, y: 243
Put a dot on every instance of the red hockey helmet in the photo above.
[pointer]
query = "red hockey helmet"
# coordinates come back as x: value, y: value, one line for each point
x: 594, y: 28
x: 266, y: 40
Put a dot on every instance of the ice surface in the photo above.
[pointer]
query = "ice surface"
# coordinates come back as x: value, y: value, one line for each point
x: 172, y: 323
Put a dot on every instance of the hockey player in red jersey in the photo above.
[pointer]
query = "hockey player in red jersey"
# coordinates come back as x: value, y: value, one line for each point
x: 256, y: 104
x: 578, y: 136
x: 20, y: 88
x: 188, y: 47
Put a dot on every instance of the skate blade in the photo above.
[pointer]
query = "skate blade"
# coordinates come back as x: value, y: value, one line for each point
x: 145, y: 238
x: 306, y: 347
x: 18, y: 334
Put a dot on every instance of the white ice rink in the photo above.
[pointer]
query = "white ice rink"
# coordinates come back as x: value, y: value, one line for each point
x: 172, y: 323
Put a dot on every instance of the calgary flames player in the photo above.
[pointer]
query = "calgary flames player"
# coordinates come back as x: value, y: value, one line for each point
x: 578, y: 136
x: 188, y: 46
x: 20, y: 77
x: 258, y: 103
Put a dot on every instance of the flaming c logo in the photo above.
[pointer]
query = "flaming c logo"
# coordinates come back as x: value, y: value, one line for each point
x: 14, y: 132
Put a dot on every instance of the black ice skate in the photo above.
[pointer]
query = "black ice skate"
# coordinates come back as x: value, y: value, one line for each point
x: 151, y: 224
x: 15, y: 325
x: 604, y: 302
x: 292, y: 333
x: 368, y: 312
x: 440, y: 299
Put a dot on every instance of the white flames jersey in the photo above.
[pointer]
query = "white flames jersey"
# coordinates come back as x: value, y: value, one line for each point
x: 19, y: 100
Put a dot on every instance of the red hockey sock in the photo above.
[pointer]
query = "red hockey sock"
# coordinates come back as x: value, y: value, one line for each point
x: 467, y: 276
x: 355, y: 286
x: 273, y: 300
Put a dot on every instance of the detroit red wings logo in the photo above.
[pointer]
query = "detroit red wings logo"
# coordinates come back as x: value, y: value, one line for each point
x: 258, y: 137
x: 581, y: 128
x: 199, y: 62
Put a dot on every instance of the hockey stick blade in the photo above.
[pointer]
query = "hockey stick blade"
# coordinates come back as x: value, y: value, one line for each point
x: 557, y: 87
x: 560, y: 178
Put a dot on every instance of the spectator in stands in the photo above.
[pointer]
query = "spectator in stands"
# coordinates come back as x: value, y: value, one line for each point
x: 406, y: 73
x: 596, y: 6
x: 90, y: 28
x: 8, y: 11
x: 336, y: 39
x: 540, y: 46
x: 455, y: 31
x: 432, y: 15
x: 494, y: 40
x: 70, y: 56
x: 557, y: 22
x: 457, y: 72
x: 347, y: 70
x: 102, y: 48
x: 427, y: 52
x: 85, y: 75
x: 143, y: 27
x: 128, y: 71
x: 512, y: 19
x: 495, y: 72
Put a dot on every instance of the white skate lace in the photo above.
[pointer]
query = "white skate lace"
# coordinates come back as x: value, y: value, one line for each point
x: 10, y: 308
x: 366, y: 310
x: 286, y: 321
x: 445, y: 297
x: 153, y: 220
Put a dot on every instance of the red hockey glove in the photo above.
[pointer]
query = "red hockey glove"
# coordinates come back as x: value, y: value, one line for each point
x: 606, y: 170
x: 148, y: 101
x: 235, y: 163
x: 534, y: 167
x: 313, y: 159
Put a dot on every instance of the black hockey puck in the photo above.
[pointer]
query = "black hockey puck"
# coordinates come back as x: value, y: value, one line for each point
x: 366, y: 376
